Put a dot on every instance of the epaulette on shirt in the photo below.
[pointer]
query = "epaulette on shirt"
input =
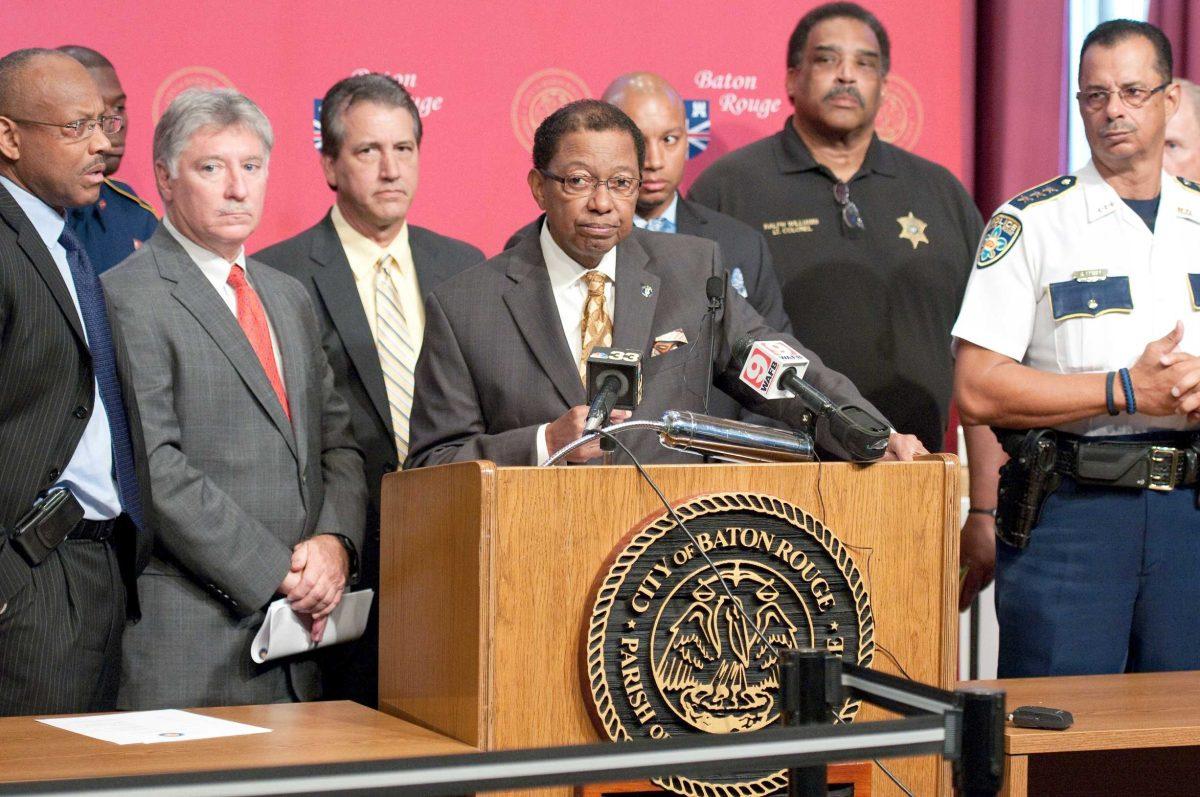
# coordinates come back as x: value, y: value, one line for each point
x: 127, y: 192
x: 1188, y: 184
x: 1056, y: 187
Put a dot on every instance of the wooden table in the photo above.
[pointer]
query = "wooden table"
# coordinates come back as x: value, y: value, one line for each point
x: 301, y: 733
x: 1136, y: 734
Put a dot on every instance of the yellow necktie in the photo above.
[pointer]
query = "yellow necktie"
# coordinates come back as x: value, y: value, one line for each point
x: 397, y: 355
x: 597, y: 323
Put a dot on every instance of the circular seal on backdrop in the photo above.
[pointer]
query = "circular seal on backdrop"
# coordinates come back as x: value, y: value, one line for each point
x: 540, y: 95
x: 901, y: 116
x: 672, y: 647
x: 190, y: 77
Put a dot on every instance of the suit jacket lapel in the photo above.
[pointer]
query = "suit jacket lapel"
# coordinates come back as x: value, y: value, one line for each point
x: 196, y: 294
x: 531, y: 302
x: 35, y: 249
x: 637, y: 297
x: 299, y: 381
x: 335, y: 282
x: 430, y: 270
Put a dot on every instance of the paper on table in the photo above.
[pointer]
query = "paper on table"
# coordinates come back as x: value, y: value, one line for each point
x: 283, y: 633
x: 152, y: 727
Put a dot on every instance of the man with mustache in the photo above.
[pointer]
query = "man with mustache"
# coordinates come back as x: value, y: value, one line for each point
x: 120, y: 221
x: 73, y: 530
x: 1078, y: 331
x: 256, y: 480
x: 872, y: 244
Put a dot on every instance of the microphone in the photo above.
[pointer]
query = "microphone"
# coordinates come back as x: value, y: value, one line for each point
x: 714, y: 289
x: 614, y: 382
x: 733, y: 441
x: 773, y: 369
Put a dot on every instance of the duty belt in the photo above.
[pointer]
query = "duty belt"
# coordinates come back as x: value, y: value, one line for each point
x: 1136, y: 465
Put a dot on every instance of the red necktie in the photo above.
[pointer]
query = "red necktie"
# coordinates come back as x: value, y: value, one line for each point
x: 253, y: 320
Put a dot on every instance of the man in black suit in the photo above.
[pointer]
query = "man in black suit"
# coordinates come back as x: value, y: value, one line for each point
x: 368, y: 271
x: 67, y: 429
x: 657, y: 109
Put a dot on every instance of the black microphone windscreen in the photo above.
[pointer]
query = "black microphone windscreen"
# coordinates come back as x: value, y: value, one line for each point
x: 742, y: 348
x: 714, y: 288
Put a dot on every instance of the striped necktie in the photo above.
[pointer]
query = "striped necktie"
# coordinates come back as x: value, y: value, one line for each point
x: 397, y: 355
x: 596, y: 329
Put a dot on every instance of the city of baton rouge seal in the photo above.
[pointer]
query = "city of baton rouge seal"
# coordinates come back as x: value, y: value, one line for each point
x: 901, y: 116
x: 191, y: 77
x: 672, y: 647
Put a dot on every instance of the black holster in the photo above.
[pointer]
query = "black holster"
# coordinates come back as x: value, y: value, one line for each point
x: 1026, y: 481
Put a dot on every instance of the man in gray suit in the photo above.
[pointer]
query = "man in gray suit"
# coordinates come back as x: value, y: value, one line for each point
x: 499, y: 377
x: 254, y: 473
x: 370, y: 151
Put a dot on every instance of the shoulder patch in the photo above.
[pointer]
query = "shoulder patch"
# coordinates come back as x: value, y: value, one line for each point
x: 999, y: 236
x: 1188, y: 184
x: 127, y: 192
x: 1056, y: 187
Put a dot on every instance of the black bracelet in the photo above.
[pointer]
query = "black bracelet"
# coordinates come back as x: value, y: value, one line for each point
x: 1127, y: 387
x: 980, y: 511
x: 1108, y: 393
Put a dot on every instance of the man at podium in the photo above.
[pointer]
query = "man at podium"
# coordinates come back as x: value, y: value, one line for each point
x: 500, y: 376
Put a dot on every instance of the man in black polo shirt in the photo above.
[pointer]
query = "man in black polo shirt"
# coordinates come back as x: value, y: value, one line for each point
x: 872, y: 245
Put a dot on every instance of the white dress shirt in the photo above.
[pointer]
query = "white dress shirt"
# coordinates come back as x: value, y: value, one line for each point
x: 216, y: 270
x: 570, y: 294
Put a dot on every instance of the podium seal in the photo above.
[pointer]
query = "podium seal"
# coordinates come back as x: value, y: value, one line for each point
x: 672, y: 647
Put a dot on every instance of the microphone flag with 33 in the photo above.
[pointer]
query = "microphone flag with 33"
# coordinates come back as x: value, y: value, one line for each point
x: 614, y: 382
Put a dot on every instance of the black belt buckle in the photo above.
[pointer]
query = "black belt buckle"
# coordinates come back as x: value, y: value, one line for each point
x: 1162, y: 467
x: 46, y: 525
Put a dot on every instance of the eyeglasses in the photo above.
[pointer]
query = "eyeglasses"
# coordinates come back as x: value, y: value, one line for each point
x: 1133, y: 96
x: 82, y: 128
x: 851, y: 218
x: 586, y: 185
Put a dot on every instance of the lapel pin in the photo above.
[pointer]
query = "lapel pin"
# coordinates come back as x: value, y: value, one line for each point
x: 647, y: 291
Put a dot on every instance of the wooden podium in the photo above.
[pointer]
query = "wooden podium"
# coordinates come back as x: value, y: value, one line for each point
x: 487, y: 573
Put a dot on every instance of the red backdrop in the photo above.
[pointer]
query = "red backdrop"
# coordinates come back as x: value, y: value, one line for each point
x: 486, y: 72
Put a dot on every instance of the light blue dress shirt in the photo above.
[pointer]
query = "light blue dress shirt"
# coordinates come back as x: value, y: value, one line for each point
x: 89, y: 473
x: 668, y: 215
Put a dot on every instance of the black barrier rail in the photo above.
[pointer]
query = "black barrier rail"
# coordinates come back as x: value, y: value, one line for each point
x: 949, y: 728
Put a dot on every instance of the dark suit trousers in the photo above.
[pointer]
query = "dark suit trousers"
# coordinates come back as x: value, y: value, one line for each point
x: 60, y: 637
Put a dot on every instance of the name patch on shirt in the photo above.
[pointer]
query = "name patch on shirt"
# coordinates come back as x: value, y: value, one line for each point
x: 1074, y: 299
x: 790, y: 226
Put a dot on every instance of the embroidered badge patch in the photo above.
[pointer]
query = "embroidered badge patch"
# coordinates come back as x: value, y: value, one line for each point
x: 1002, y: 232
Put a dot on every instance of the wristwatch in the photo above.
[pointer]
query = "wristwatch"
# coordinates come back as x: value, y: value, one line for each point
x: 352, y: 555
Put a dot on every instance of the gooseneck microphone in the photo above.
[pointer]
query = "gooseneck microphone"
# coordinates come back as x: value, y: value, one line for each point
x: 773, y: 369
x: 714, y: 289
x: 614, y: 382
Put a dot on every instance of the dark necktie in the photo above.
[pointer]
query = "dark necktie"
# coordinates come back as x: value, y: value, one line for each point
x: 104, y: 365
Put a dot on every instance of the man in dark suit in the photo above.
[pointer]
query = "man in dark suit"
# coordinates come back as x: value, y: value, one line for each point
x: 65, y: 422
x: 657, y: 109
x: 255, y: 477
x: 370, y: 146
x: 500, y: 375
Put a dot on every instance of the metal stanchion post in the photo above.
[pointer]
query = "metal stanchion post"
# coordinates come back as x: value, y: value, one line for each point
x: 980, y: 770
x: 806, y: 678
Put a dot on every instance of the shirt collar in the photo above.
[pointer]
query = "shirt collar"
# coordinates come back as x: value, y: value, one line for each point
x: 45, y: 219
x: 362, y: 252
x: 209, y: 262
x: 794, y: 156
x: 564, y: 271
x: 668, y: 214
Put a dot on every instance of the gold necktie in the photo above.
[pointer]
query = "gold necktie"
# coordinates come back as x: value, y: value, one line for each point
x: 397, y: 355
x: 597, y: 323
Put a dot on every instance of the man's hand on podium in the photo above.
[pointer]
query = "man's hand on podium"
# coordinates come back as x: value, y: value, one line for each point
x: 569, y: 428
x: 903, y: 447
